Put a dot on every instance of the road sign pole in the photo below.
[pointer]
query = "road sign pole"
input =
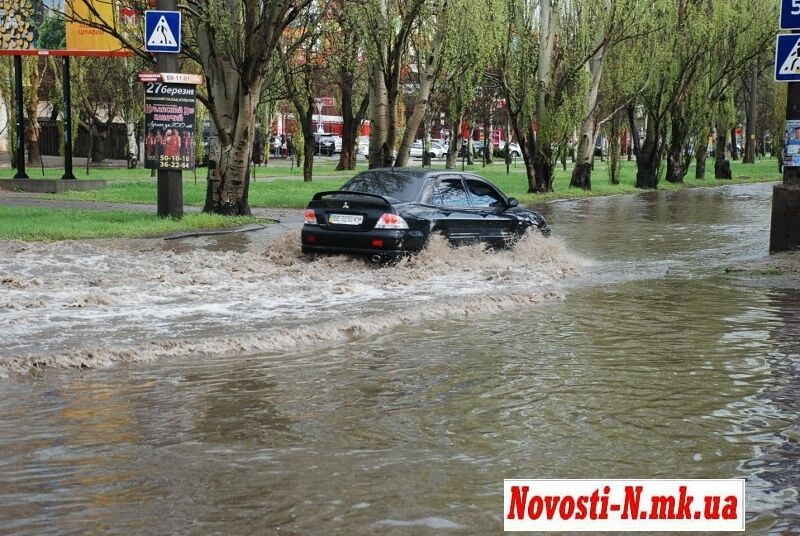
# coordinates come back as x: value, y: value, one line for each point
x: 20, y: 119
x: 791, y: 175
x: 170, y: 182
x: 785, y: 228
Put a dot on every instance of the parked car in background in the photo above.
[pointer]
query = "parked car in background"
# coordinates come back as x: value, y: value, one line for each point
x: 477, y: 148
x: 387, y: 213
x: 328, y: 143
x: 435, y: 150
x: 444, y: 143
x: 363, y: 146
x: 513, y: 148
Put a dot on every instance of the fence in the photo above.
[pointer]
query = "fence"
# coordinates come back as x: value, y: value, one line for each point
x: 50, y: 143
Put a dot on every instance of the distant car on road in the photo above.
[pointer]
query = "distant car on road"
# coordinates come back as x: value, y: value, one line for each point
x: 387, y: 213
x: 435, y: 150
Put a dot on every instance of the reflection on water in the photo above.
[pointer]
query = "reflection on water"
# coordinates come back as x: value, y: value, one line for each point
x: 654, y: 365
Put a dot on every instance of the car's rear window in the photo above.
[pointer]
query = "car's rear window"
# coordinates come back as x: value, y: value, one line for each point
x: 402, y: 186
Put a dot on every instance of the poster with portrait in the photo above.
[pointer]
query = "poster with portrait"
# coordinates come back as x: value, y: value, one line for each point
x: 791, y: 144
x: 169, y: 114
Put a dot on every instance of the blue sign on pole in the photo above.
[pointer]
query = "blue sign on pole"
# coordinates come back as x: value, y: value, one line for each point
x: 787, y: 58
x: 790, y: 14
x: 162, y: 31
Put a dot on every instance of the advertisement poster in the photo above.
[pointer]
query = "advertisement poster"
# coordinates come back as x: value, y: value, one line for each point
x: 16, y: 32
x: 83, y: 35
x: 169, y: 114
x: 59, y: 25
x: 791, y: 144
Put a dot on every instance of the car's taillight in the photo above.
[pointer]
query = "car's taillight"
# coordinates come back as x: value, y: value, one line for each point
x: 310, y: 216
x: 391, y: 221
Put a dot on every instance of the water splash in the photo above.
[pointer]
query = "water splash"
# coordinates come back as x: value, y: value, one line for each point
x: 89, y: 305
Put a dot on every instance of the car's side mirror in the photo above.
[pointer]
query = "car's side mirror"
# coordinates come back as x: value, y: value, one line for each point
x: 512, y: 202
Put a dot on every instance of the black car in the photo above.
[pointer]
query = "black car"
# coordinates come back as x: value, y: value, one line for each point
x: 387, y: 213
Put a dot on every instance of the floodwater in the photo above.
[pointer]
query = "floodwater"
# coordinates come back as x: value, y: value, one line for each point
x: 229, y: 385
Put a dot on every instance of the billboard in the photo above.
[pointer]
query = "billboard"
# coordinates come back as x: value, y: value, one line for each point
x: 16, y: 30
x: 82, y: 15
x: 65, y: 27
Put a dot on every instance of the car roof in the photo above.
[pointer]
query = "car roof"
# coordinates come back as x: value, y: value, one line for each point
x: 423, y: 173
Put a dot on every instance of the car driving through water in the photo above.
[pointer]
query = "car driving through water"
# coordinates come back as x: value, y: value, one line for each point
x: 388, y: 213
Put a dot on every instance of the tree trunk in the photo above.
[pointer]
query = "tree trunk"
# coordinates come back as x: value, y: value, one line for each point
x: 391, y: 125
x: 487, y: 144
x: 647, y: 161
x: 304, y: 106
x: 32, y: 139
x: 378, y: 109
x: 99, y: 132
x: 734, y: 145
x: 547, y: 41
x: 543, y: 167
x: 309, y: 143
x: 722, y: 166
x: 676, y: 160
x: 614, y: 149
x: 582, y: 173
x: 309, y: 140
x: 527, y: 145
x: 454, y: 133
x: 752, y: 127
x: 636, y: 143
x: 582, y: 176
x: 427, y: 77
x: 525, y: 138
x: 228, y: 181
x: 32, y: 110
x: 351, y: 128
x: 700, y: 155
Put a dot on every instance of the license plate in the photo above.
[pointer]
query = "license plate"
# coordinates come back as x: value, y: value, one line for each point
x: 346, y: 219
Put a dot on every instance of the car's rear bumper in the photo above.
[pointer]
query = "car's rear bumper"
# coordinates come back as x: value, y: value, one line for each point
x: 387, y: 243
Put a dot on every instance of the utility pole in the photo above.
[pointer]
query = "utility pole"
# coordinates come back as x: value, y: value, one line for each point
x: 170, y: 181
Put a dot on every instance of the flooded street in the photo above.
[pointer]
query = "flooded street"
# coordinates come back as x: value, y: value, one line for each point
x: 228, y: 384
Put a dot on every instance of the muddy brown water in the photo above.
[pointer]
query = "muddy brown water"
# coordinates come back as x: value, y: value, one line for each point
x: 229, y: 385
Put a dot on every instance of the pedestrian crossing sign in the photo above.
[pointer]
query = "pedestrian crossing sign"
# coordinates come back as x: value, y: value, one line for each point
x: 787, y: 58
x: 162, y: 31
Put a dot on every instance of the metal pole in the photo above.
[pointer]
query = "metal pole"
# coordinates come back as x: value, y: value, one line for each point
x: 170, y: 182
x: 67, y: 90
x: 785, y: 228
x: 20, y: 119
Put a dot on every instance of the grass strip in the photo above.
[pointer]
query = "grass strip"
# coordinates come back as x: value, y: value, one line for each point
x: 46, y: 224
